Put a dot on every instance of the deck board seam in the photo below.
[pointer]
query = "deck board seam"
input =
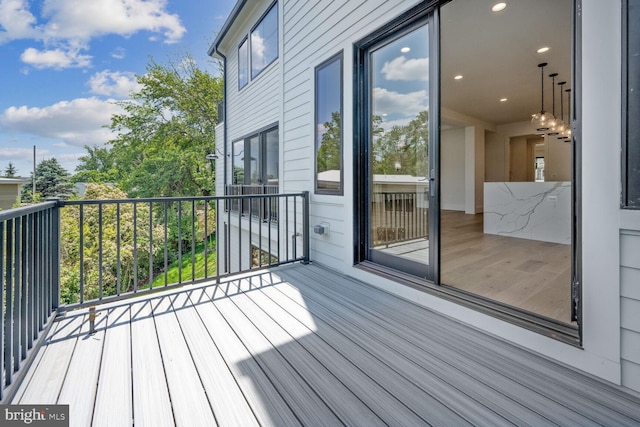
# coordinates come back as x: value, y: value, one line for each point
x: 193, y: 361
x: 104, y: 340
x: 164, y: 368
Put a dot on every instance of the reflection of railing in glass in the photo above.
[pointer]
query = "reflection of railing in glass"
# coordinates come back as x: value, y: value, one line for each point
x: 398, y: 217
x: 263, y: 208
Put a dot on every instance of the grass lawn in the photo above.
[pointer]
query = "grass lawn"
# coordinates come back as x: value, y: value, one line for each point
x: 173, y: 271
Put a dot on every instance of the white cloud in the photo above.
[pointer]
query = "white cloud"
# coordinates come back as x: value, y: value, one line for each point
x: 113, y: 83
x: 77, y: 123
x: 118, y: 53
x: 12, y: 154
x: 402, y: 68
x: 66, y: 27
x: 16, y: 21
x: 57, y: 58
x: 408, y: 104
x: 83, y: 20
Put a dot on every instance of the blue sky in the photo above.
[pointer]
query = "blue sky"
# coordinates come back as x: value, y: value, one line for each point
x: 64, y: 62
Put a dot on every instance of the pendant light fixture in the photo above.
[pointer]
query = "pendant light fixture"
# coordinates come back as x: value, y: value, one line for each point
x: 567, y: 132
x: 553, y: 121
x: 561, y: 125
x: 540, y: 121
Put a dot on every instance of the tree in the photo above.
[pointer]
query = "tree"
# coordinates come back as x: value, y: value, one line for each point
x: 164, y: 135
x: 10, y: 171
x: 330, y: 151
x: 402, y: 149
x: 97, y: 166
x: 100, y: 243
x: 52, y: 180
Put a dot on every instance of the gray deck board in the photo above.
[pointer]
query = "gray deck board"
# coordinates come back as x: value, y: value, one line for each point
x: 225, y: 396
x: 264, y: 399
x: 45, y: 384
x: 329, y: 388
x: 552, y: 390
x: 303, y: 345
x: 79, y: 388
x: 113, y: 397
x: 304, y: 402
x: 151, y: 400
x: 190, y: 404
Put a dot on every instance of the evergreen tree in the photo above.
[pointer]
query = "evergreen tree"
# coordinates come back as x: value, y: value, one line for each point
x: 10, y: 171
x: 52, y: 180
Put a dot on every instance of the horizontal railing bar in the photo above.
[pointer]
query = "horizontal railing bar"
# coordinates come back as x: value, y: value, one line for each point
x: 25, y: 210
x: 176, y: 199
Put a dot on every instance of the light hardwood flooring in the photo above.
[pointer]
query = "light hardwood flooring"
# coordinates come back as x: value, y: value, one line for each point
x: 528, y: 274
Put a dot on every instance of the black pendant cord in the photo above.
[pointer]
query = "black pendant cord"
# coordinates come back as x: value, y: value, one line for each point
x: 561, y: 100
x: 553, y: 93
x: 544, y: 64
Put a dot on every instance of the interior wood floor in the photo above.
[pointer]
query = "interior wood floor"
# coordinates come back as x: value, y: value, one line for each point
x: 528, y: 274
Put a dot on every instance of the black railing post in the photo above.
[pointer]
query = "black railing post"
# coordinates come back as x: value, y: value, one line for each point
x: 54, y: 242
x: 305, y: 227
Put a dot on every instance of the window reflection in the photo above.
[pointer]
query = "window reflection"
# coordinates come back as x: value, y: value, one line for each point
x: 264, y: 42
x: 328, y: 126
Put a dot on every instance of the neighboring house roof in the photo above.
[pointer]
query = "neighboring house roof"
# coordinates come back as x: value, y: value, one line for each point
x: 399, y: 179
x: 213, y: 50
x: 15, y: 180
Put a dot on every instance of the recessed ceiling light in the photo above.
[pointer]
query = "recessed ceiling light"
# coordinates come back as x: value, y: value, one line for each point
x: 499, y: 7
x: 543, y: 49
x: 503, y: 99
x: 405, y: 49
x: 458, y: 77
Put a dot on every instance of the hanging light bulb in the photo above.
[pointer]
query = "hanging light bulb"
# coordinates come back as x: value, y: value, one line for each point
x: 553, y: 122
x: 540, y: 121
x: 561, y: 125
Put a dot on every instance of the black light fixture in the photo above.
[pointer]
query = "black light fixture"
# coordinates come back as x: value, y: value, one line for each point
x: 561, y: 125
x: 567, y: 132
x: 553, y: 122
x: 540, y: 121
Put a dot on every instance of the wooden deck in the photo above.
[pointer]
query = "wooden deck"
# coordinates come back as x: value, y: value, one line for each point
x: 302, y: 345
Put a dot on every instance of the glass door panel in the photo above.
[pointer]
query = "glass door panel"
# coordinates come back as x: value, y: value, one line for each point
x: 398, y: 206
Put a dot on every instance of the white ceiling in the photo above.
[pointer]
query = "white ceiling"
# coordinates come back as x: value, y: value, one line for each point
x: 496, y: 54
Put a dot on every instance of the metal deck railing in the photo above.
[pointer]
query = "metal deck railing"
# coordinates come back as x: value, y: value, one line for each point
x: 62, y: 255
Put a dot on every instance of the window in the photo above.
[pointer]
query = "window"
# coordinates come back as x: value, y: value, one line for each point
x: 243, y: 64
x: 258, y: 155
x: 328, y: 126
x: 264, y: 41
x: 631, y: 104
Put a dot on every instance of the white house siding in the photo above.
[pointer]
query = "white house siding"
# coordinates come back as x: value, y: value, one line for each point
x: 258, y: 104
x: 313, y: 32
x: 630, y: 308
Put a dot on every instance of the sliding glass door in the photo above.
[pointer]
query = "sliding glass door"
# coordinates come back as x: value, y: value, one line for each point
x: 398, y: 146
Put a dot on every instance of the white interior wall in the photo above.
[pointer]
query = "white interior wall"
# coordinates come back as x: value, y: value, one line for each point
x: 452, y: 175
x: 495, y: 154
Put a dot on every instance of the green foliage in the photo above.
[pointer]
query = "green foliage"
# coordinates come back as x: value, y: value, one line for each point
x: 97, y: 166
x: 330, y: 151
x: 175, y: 274
x: 402, y: 150
x: 163, y: 136
x: 52, y: 180
x: 10, y: 171
x: 108, y: 236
